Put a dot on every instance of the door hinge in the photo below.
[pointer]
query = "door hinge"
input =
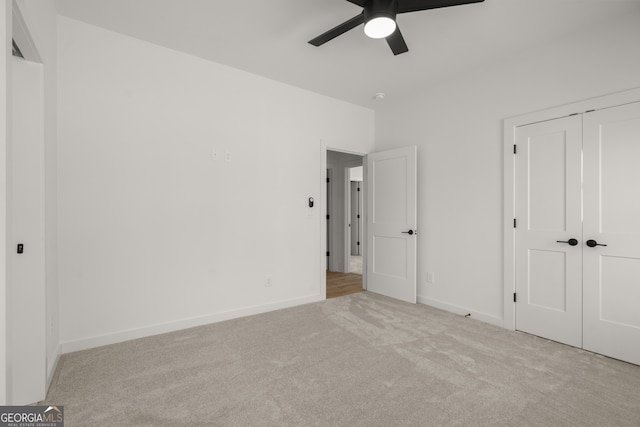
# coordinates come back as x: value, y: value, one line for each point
x: 327, y: 253
x: 327, y: 217
x: 515, y: 223
x: 358, y: 188
x: 358, y: 216
x: 515, y: 299
x: 358, y: 243
x: 327, y: 179
x: 515, y: 149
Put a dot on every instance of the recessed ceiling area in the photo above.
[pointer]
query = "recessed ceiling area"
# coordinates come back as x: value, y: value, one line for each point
x: 270, y: 38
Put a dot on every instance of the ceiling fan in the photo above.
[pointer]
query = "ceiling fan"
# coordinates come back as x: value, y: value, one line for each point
x: 379, y: 19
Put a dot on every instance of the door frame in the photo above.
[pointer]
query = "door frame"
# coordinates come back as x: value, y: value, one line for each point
x: 509, y: 140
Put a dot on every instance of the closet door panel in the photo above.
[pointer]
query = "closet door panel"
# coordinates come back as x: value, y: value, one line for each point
x: 611, y: 250
x: 548, y: 211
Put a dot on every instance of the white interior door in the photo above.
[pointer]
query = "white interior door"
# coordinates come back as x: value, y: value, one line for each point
x: 612, y: 218
x: 391, y: 187
x: 356, y: 217
x: 548, y: 212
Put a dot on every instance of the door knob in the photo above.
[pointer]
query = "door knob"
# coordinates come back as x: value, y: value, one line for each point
x: 571, y: 242
x: 593, y: 243
x: 410, y: 232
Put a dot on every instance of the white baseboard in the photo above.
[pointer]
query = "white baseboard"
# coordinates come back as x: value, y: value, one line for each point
x: 113, y: 338
x: 483, y: 317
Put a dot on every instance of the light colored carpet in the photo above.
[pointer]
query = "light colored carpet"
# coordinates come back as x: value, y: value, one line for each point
x: 359, y: 360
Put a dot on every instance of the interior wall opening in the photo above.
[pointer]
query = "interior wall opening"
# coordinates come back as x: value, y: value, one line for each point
x: 345, y: 224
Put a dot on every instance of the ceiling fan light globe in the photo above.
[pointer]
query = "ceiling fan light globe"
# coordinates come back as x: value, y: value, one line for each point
x: 380, y: 27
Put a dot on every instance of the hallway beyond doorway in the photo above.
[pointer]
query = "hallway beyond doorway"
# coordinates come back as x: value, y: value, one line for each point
x: 341, y: 284
x: 355, y: 264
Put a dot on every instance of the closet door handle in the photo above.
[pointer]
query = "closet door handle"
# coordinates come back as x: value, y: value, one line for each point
x: 593, y: 243
x: 571, y: 242
x: 410, y: 232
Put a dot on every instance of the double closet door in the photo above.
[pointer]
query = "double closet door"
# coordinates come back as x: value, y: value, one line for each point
x: 577, y: 234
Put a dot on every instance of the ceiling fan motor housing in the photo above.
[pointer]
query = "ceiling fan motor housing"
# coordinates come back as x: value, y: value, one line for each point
x: 380, y: 9
x: 379, y: 19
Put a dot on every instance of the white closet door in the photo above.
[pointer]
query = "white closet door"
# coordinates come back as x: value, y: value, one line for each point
x: 612, y: 218
x: 548, y: 210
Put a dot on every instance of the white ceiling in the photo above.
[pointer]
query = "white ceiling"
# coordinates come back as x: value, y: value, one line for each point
x: 269, y: 37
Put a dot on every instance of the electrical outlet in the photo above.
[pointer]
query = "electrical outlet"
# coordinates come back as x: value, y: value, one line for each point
x: 214, y: 155
x: 227, y: 156
x: 267, y: 281
x: 431, y: 277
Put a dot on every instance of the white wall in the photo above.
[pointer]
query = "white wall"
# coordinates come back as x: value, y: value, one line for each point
x: 40, y: 19
x: 154, y: 233
x: 5, y: 138
x: 457, y: 126
x: 356, y: 174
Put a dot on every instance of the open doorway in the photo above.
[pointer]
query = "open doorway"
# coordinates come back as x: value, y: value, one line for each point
x: 345, y: 218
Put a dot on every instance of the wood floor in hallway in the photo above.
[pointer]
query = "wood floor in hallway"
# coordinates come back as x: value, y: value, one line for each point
x: 341, y: 284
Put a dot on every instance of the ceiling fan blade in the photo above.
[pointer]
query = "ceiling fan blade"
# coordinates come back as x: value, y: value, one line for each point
x: 405, y: 6
x: 396, y: 42
x: 336, y: 31
x: 358, y: 2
